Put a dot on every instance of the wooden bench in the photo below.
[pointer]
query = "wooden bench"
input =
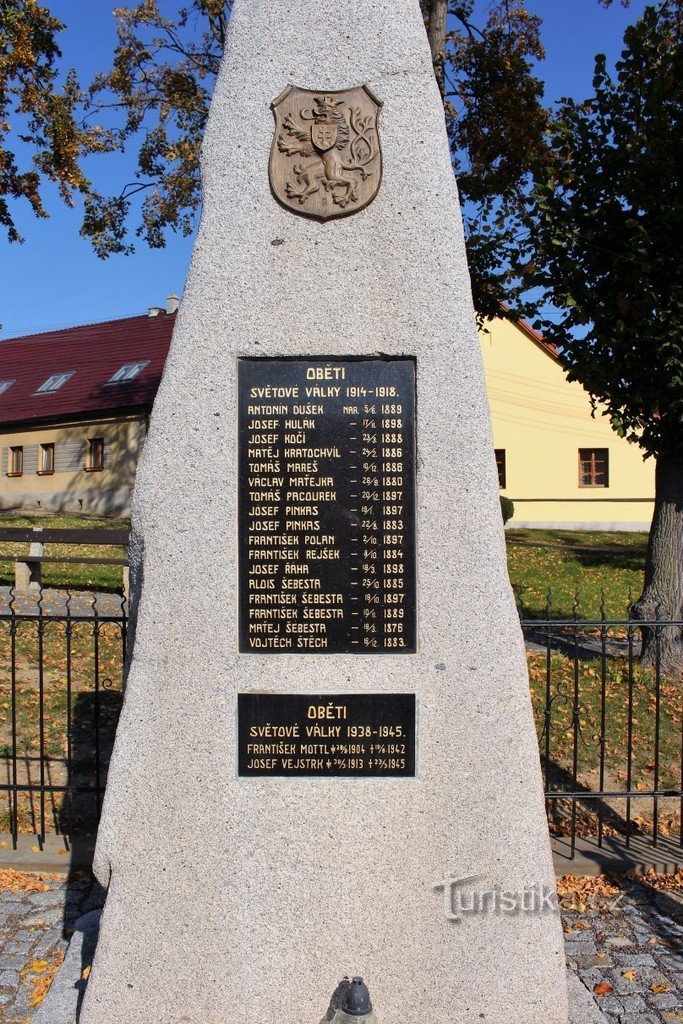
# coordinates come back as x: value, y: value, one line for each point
x: 28, y: 568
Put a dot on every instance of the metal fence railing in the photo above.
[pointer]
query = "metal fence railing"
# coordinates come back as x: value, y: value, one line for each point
x: 610, y: 730
x: 61, y: 667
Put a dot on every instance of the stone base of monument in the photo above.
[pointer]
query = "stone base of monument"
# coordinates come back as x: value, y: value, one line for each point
x: 62, y: 1004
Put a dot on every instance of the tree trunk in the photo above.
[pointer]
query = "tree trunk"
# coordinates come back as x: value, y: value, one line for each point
x: 438, y: 10
x: 662, y: 596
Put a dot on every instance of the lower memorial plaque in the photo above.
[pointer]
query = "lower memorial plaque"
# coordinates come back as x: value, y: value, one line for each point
x: 338, y: 734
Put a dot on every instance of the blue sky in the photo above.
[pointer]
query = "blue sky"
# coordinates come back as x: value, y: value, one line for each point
x: 54, y: 279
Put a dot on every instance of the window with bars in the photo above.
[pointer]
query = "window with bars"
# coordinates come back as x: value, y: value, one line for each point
x: 593, y: 467
x: 46, y: 465
x: 94, y: 459
x: 500, y: 465
x: 16, y: 460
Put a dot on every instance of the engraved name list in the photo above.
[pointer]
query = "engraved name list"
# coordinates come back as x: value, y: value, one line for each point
x: 327, y: 506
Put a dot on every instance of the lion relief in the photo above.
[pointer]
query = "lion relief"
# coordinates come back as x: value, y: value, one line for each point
x: 326, y: 151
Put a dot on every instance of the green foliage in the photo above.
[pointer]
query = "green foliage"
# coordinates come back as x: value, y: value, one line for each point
x: 607, y: 228
x: 496, y: 125
x: 507, y: 508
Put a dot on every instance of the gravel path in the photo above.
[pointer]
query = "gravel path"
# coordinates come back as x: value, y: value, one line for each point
x: 624, y: 939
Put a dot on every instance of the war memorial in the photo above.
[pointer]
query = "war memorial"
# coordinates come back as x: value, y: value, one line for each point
x: 326, y: 767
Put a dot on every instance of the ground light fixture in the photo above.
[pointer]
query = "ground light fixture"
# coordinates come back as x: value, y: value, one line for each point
x: 356, y: 1007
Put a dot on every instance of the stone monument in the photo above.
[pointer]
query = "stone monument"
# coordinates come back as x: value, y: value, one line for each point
x: 326, y: 765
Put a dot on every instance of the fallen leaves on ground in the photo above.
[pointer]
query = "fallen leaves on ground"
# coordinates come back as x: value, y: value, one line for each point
x: 662, y: 882
x: 582, y: 893
x: 41, y: 974
x: 658, y: 989
x: 603, y: 988
x: 25, y: 881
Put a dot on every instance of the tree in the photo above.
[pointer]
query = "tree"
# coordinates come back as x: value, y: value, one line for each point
x: 496, y: 123
x: 607, y: 225
x: 156, y: 98
x: 158, y: 91
x: 43, y: 115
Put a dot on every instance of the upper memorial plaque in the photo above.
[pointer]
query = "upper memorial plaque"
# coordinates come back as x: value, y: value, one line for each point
x: 327, y: 506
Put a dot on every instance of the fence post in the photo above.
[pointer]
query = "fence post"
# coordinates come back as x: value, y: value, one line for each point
x: 27, y: 573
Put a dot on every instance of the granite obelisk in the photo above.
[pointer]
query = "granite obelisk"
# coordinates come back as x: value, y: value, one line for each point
x: 244, y: 899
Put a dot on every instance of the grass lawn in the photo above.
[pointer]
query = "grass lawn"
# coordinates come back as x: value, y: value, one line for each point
x: 70, y: 666
x: 564, y: 570
x: 101, y: 577
x: 617, y: 770
x: 532, y: 571
x: 615, y: 569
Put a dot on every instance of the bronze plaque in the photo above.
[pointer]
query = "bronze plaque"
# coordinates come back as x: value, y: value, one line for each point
x: 327, y: 506
x: 334, y: 734
x: 326, y: 159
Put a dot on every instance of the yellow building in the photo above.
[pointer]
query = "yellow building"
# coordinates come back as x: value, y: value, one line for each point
x: 562, y: 467
x: 74, y: 406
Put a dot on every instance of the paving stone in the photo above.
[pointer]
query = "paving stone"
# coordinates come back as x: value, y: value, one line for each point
x: 635, y: 960
x: 638, y: 1018
x: 633, y: 1004
x: 588, y: 960
x: 16, y: 962
x: 619, y: 942
x: 611, y: 1005
x: 667, y: 1001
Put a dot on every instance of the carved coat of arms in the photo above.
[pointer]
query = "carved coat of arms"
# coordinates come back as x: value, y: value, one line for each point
x: 326, y: 159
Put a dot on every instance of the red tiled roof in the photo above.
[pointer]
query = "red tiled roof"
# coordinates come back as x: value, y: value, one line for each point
x: 94, y: 352
x: 551, y: 349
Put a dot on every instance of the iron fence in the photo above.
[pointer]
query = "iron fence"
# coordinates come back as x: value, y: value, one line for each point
x: 610, y: 730
x: 61, y: 669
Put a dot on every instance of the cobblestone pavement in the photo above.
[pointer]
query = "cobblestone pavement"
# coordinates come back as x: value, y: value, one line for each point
x: 628, y: 951
x: 628, y: 945
x: 34, y: 927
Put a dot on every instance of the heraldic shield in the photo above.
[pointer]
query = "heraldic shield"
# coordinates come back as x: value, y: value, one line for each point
x: 326, y: 159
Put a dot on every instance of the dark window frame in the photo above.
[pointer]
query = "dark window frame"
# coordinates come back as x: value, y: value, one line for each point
x: 94, y: 463
x: 15, y: 457
x: 45, y: 447
x: 501, y: 466
x: 597, y: 461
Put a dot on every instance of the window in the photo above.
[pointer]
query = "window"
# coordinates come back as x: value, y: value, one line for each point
x: 94, y: 460
x: 16, y: 461
x: 54, y: 382
x: 4, y: 385
x: 46, y: 466
x: 128, y: 372
x: 500, y: 465
x: 593, y: 467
